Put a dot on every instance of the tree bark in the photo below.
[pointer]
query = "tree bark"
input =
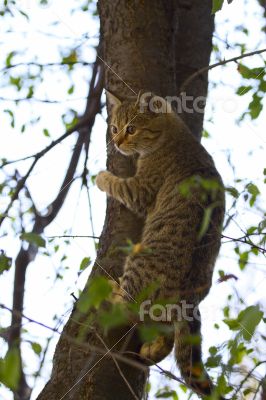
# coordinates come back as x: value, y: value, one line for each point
x: 193, y: 50
x: 140, y: 46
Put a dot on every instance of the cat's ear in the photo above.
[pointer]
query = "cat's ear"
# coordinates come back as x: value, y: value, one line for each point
x: 149, y: 102
x: 112, y: 100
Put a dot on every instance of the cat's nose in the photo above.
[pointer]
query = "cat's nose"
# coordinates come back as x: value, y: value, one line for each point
x: 119, y: 141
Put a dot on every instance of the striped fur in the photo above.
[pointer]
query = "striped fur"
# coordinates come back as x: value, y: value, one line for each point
x: 178, y: 260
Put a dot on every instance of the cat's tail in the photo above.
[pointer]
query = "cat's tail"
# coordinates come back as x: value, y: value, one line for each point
x: 189, y: 358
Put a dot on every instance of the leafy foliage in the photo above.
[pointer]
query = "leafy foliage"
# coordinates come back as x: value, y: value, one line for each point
x: 218, y: 4
x: 5, y: 262
x: 9, y: 369
x: 33, y: 238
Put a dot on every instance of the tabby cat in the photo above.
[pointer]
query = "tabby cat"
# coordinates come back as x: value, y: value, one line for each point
x: 181, y: 253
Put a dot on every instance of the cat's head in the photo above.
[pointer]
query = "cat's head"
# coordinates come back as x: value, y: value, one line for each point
x: 138, y: 124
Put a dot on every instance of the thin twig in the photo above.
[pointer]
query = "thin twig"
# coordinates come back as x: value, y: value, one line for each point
x: 73, y: 236
x: 80, y: 124
x: 20, y: 186
x: 36, y: 157
x: 209, y: 67
x: 245, y: 240
x: 50, y: 64
x: 18, y: 313
x: 17, y: 100
x: 248, y: 376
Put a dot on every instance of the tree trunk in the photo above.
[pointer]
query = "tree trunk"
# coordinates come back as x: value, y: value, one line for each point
x: 141, y: 49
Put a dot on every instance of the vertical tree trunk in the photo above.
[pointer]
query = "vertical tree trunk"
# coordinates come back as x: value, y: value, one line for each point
x: 140, y: 46
x: 193, y: 49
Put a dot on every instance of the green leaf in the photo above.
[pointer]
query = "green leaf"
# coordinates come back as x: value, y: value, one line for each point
x: 217, y: 5
x: 206, y: 222
x: 205, y: 134
x: 10, y: 369
x: 233, y: 191
x: 93, y: 177
x: 248, y: 320
x: 222, y: 385
x: 213, y: 350
x: 232, y: 324
x: 46, y: 132
x: 166, y: 393
x: 254, y: 191
x: 36, y: 347
x: 98, y: 290
x: 262, y: 86
x: 16, y: 81
x: 226, y: 311
x: 30, y: 92
x: 9, y: 58
x: 243, y: 90
x: 243, y: 259
x: 251, y: 73
x: 70, y: 59
x: 5, y: 263
x: 213, y: 361
x: 84, y: 263
x: 255, y: 106
x: 71, y: 89
x: 252, y: 229
x: 237, y: 351
x: 113, y: 318
x: 12, y: 116
x: 33, y: 238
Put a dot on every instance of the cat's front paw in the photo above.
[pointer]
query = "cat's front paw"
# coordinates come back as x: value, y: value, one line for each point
x: 102, y: 180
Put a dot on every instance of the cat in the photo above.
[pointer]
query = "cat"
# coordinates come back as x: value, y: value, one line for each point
x: 181, y: 254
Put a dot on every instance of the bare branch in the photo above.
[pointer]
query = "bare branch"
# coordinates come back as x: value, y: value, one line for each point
x: 51, y: 64
x: 21, y: 315
x: 209, y: 67
x: 84, y: 128
x: 17, y: 100
x: 81, y: 124
x: 245, y: 240
x: 20, y: 186
x: 73, y: 236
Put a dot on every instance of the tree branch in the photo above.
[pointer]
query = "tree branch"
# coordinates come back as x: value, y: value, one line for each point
x: 74, y: 236
x: 78, y: 126
x: 245, y: 240
x: 51, y: 64
x: 209, y: 67
x: 84, y: 127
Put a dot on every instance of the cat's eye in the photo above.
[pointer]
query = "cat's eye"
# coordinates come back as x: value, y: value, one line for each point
x: 113, y: 129
x: 130, y: 129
